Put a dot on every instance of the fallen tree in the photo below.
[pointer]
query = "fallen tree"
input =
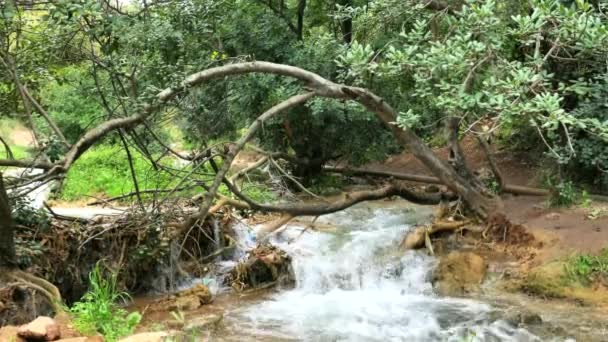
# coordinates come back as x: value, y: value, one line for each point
x: 480, y: 202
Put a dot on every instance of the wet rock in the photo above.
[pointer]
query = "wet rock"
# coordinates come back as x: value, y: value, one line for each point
x: 523, y: 318
x: 205, y: 323
x: 42, y: 328
x: 192, y: 298
x: 459, y: 273
x: 266, y: 265
x: 9, y: 333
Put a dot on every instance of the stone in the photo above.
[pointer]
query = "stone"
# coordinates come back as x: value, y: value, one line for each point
x: 9, y: 333
x: 83, y: 339
x: 191, y: 299
x: 459, y: 273
x: 42, y: 328
x: 524, y: 318
x: 149, y: 337
x: 208, y: 322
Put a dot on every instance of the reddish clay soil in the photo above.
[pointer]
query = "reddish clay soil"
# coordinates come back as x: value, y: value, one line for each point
x: 563, y: 230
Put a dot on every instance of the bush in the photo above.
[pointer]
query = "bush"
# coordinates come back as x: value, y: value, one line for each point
x: 99, y: 312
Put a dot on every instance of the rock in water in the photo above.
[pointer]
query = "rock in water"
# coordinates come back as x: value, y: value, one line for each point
x: 190, y: 299
x: 459, y: 273
x: 265, y: 265
x: 42, y: 329
x: 204, y: 323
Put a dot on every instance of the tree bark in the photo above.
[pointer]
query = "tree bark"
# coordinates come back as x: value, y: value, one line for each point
x: 7, y: 229
x: 456, y: 156
x: 346, y: 24
x: 301, y: 11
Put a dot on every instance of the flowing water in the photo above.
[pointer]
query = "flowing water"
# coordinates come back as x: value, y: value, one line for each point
x: 353, y: 284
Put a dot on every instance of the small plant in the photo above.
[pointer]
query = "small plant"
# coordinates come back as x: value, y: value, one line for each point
x: 179, y: 318
x: 99, y: 311
x: 565, y: 194
x: 587, y: 268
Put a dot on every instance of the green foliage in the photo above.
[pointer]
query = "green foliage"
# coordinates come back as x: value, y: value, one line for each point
x: 69, y: 98
x: 104, y: 170
x: 513, y: 72
x: 327, y: 184
x: 587, y: 268
x: 99, y: 312
x: 258, y: 192
x: 566, y: 194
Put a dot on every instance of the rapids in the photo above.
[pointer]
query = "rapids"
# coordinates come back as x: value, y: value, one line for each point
x: 353, y: 284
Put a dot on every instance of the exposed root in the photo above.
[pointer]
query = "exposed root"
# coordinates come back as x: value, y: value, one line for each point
x: 50, y: 291
x: 500, y: 229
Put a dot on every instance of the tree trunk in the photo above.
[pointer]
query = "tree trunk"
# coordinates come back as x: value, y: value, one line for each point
x: 7, y: 238
x: 300, y: 27
x: 346, y: 24
x: 456, y: 157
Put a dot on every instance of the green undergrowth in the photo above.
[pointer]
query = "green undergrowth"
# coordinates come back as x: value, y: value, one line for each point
x: 585, y: 268
x: 327, y: 184
x: 19, y: 152
x: 104, y: 171
x: 99, y: 311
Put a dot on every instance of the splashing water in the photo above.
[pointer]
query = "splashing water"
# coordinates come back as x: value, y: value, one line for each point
x: 353, y: 284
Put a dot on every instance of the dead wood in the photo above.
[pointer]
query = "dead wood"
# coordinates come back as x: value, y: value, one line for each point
x: 508, y: 188
x: 421, y: 236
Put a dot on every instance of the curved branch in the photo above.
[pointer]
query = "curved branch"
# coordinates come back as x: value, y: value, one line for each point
x: 321, y: 87
x: 348, y: 200
x: 229, y: 157
x: 7, y: 148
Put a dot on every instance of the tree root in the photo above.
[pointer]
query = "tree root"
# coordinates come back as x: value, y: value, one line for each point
x: 50, y: 291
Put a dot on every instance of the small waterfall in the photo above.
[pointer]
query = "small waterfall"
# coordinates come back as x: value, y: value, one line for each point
x: 353, y: 284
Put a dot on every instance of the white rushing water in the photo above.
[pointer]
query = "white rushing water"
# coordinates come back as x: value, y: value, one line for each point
x: 353, y: 284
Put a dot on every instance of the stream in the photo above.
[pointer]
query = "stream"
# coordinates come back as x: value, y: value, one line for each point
x: 353, y: 284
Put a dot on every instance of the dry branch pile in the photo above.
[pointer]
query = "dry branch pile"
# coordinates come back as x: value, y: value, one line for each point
x: 145, y: 251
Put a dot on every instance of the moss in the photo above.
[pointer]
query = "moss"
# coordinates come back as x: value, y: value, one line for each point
x: 553, y: 280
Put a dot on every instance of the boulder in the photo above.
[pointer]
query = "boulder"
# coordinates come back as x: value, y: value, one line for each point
x: 42, y: 328
x: 459, y: 273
